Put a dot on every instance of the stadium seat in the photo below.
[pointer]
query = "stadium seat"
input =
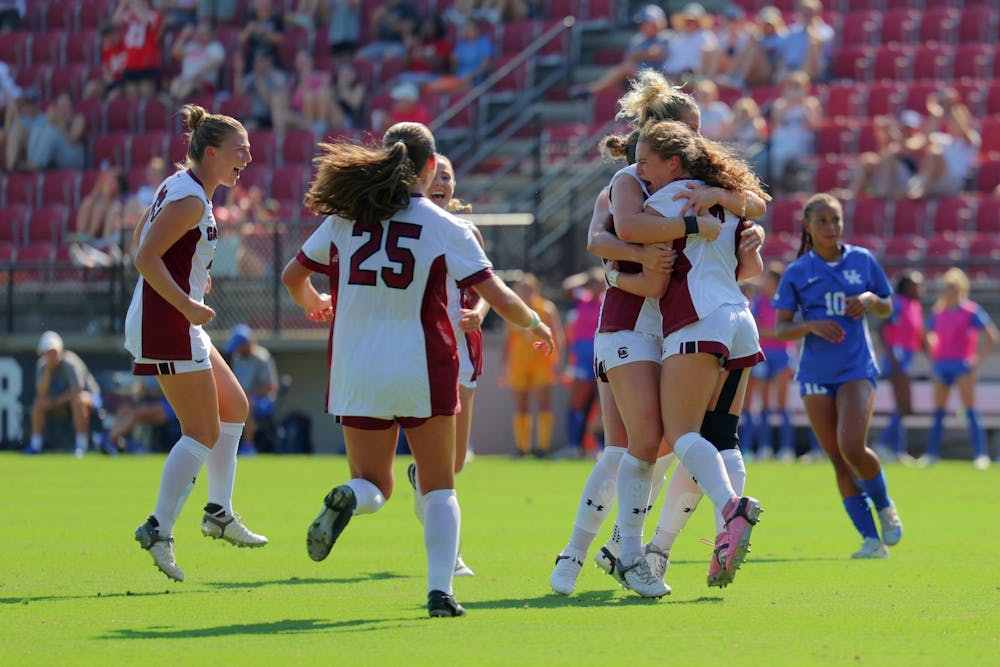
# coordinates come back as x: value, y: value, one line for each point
x: 988, y: 177
x: 157, y: 116
x: 782, y: 247
x: 264, y: 147
x: 861, y: 28
x: 562, y: 8
x: 884, y: 98
x: 47, y: 224
x: 110, y: 150
x: 14, y: 49
x: 916, y: 93
x: 842, y: 100
x: 47, y: 47
x: 36, y: 76
x: 21, y: 188
x: 983, y: 260
x: 59, y: 16
x: 121, y: 115
x: 83, y: 48
x: 872, y: 242
x: 88, y: 181
x: 988, y: 215
x: 298, y: 147
x: 932, y: 61
x: 605, y: 105
x: 974, y: 61
x: 69, y: 79
x: 910, y: 216
x: 237, y: 106
x: 92, y: 14
x: 177, y: 148
x: 60, y: 187
x: 990, y: 131
x: 893, y: 62
x: 904, y: 251
x: 8, y: 252
x: 389, y: 69
x: 939, y: 24
x: 600, y: 10
x: 256, y: 177
x: 835, y: 137
x: 868, y: 216
x: 900, y: 26
x: 866, y: 137
x: 853, y: 62
x: 14, y: 224
x: 289, y: 182
x: 978, y: 24
x: 945, y: 250
x: 517, y: 79
x: 145, y: 146
x: 954, y: 216
x: 786, y: 216
x: 833, y: 172
x: 517, y: 35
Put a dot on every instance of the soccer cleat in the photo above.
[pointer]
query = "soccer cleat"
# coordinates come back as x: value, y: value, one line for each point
x: 718, y: 576
x: 605, y: 560
x: 892, y: 527
x: 338, y: 507
x: 567, y: 569
x: 161, y: 548
x: 872, y: 547
x: 79, y: 452
x: 443, y: 605
x: 981, y: 462
x: 926, y: 460
x: 30, y: 451
x: 636, y: 576
x: 461, y: 569
x: 659, y: 561
x: 231, y: 529
x: 741, y: 515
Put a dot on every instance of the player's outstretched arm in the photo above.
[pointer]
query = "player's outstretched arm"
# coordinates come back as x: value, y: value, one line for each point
x: 295, y: 277
x: 510, y: 307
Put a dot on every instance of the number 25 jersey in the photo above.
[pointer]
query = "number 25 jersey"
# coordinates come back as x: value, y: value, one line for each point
x: 819, y: 290
x: 392, y: 346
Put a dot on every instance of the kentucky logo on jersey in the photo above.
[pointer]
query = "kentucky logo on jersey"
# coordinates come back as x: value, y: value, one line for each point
x: 853, y: 277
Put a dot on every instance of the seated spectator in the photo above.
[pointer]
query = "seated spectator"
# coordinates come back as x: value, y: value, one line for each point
x: 795, y: 115
x: 149, y: 407
x: 308, y: 13
x: 406, y: 108
x: 201, y: 57
x: 808, y: 44
x: 9, y: 90
x: 690, y: 44
x: 494, y: 11
x: 110, y: 83
x: 647, y: 49
x: 178, y: 14
x: 344, y: 33
x: 886, y: 172
x: 428, y: 56
x: 64, y: 388
x: 263, y: 34
x: 473, y: 54
x: 141, y: 25
x: 748, y: 134
x: 394, y: 24
x: 254, y: 368
x: 952, y: 148
x: 732, y: 36
x: 21, y: 117
x: 268, y: 89
x: 12, y: 14
x: 350, y: 94
x: 238, y: 219
x: 58, y: 142
x: 716, y: 116
x: 313, y: 102
x: 156, y: 171
x: 757, y: 64
x: 219, y: 12
x: 101, y: 221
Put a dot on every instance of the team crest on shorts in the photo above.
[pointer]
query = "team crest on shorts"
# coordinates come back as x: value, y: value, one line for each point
x: 623, y: 352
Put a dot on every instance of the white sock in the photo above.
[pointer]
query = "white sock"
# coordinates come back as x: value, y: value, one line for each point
x: 443, y: 522
x: 81, y: 442
x: 36, y: 442
x: 368, y: 496
x: 679, y: 503
x: 595, y: 502
x: 702, y: 460
x: 221, y: 466
x: 732, y: 460
x: 660, y: 468
x: 179, y: 473
x: 634, y: 480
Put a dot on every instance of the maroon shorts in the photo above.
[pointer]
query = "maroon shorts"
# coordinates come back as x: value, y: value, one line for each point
x: 375, y: 424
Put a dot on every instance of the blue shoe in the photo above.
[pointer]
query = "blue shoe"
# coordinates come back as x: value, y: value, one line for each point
x: 246, y: 449
x: 30, y: 451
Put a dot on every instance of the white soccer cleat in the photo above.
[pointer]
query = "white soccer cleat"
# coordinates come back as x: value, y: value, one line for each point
x: 461, y: 569
x: 605, y: 560
x: 981, y: 462
x: 636, y: 576
x: 659, y: 561
x: 872, y: 547
x: 161, y: 548
x: 565, y: 573
x: 892, y: 527
x: 231, y: 529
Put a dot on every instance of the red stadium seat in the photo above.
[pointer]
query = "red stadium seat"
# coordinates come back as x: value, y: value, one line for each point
x: 833, y: 172
x: 93, y: 14
x: 954, y: 216
x: 69, y: 79
x: 988, y: 215
x: 561, y: 8
x: 872, y: 242
x: 146, y: 146
x: 945, y: 250
x: 14, y: 49
x: 835, y: 137
x: 83, y: 48
x: 177, y: 148
x: 893, y: 62
x: 910, y: 216
x: 157, y: 116
x: 237, y: 106
x: 21, y: 188
x: 264, y: 147
x: 60, y: 187
x: 904, y: 250
x: 978, y: 24
x: 36, y: 77
x: 932, y: 61
x: 884, y: 98
x: 14, y: 224
x: 940, y: 24
x: 974, y: 61
x: 984, y: 257
x: 8, y: 252
x: 900, y: 26
x: 853, y: 62
x: 60, y: 16
x: 990, y: 133
x: 842, y: 100
x: 111, y: 150
x: 786, y: 216
x: 606, y: 105
x: 256, y: 177
x: 988, y: 177
x: 47, y: 47
x: 47, y: 224
x: 88, y: 181
x: 517, y: 35
x: 861, y: 28
x: 916, y: 94
x: 289, y: 182
x: 121, y: 115
x: 782, y: 247
x: 298, y: 147
x: 598, y: 10
x: 868, y: 216
x: 517, y: 79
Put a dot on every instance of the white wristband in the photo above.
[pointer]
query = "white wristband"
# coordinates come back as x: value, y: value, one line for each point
x: 536, y: 321
x: 612, y: 276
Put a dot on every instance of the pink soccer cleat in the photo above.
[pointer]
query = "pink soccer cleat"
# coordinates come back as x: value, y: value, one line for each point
x: 741, y: 516
x: 717, y: 574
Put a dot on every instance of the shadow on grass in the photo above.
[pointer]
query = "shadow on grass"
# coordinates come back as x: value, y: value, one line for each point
x: 587, y: 599
x: 298, y: 581
x: 28, y: 599
x: 285, y: 627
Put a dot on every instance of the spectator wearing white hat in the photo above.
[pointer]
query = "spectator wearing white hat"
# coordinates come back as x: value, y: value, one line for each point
x: 254, y: 369
x: 64, y: 387
x: 691, y: 42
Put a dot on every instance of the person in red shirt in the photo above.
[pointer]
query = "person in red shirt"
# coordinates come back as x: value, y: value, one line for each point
x: 142, y: 26
x: 406, y: 108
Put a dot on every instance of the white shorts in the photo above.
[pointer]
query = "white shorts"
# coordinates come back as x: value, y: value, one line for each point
x: 466, y: 371
x: 728, y: 332
x: 154, y: 367
x: 617, y: 348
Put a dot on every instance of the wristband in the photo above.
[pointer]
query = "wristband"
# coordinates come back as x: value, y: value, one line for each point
x: 690, y: 224
x: 612, y: 276
x: 536, y: 321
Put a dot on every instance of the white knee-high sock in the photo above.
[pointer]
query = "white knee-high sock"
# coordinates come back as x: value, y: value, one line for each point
x: 441, y: 528
x: 221, y: 466
x: 595, y: 502
x: 368, y: 496
x: 732, y: 460
x: 679, y: 503
x: 702, y: 460
x: 179, y: 473
x: 660, y: 468
x: 634, y: 480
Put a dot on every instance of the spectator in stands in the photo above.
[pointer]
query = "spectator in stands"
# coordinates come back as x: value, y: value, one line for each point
x: 263, y: 34
x: 22, y: 115
x: 58, y: 141
x: 141, y: 25
x: 345, y: 27
x: 428, y: 56
x: 748, y: 133
x: 406, y: 108
x: 887, y: 171
x: 647, y: 49
x: 953, y: 144
x: 313, y: 104
x: 9, y: 90
x: 795, y: 115
x: 12, y: 14
x: 241, y: 216
x: 178, y: 13
x: 254, y: 368
x: 757, y: 63
x: 201, y: 57
x: 473, y: 54
x: 394, y: 24
x: 268, y: 89
x: 218, y: 11
x: 147, y: 406
x: 953, y: 339
x: 101, y: 221
x: 716, y: 116
x: 307, y: 14
x: 808, y: 44
x: 350, y: 94
x: 690, y: 44
x: 156, y: 171
x: 494, y: 11
x: 732, y: 36
x: 109, y: 84
x: 64, y: 387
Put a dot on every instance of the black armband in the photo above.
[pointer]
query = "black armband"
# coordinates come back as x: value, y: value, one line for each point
x: 690, y: 224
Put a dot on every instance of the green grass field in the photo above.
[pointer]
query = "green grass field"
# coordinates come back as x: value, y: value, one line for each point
x: 76, y: 589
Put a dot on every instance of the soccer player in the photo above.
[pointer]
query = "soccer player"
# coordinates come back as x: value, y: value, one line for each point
x: 388, y: 251
x: 832, y: 285
x: 466, y: 312
x: 902, y: 337
x: 953, y: 339
x: 175, y: 242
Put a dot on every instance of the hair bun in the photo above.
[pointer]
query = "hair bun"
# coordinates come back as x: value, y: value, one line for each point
x: 194, y: 116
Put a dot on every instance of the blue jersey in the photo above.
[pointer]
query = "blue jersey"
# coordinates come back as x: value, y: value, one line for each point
x: 819, y: 291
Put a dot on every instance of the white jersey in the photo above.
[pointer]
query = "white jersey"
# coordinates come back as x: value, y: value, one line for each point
x: 621, y: 310
x: 155, y: 330
x: 392, y: 345
x: 704, y: 275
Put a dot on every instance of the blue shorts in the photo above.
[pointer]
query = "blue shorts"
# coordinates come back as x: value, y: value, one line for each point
x: 778, y: 360
x: 583, y: 360
x: 903, y: 356
x: 821, y: 389
x: 947, y: 371
x: 261, y: 406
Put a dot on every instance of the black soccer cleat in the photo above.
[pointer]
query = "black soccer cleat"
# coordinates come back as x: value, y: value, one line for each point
x: 338, y: 508
x: 443, y: 605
